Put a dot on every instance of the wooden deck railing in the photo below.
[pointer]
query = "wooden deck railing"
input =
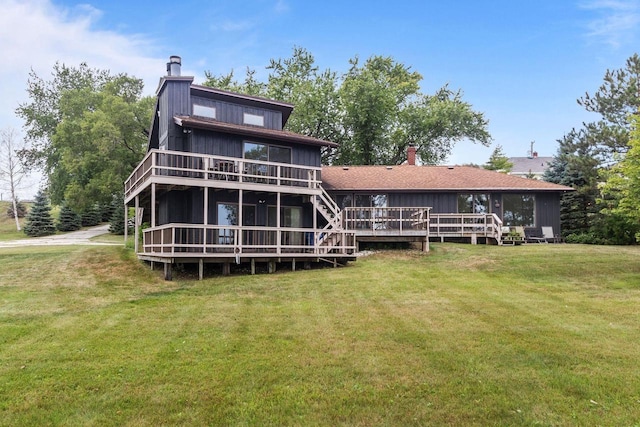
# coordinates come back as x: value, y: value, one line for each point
x: 203, y: 166
x: 228, y: 241
x: 389, y: 221
x: 466, y: 225
x: 420, y: 220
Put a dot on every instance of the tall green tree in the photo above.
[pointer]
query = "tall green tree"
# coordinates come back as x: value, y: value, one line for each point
x: 374, y: 111
x: 575, y: 165
x: 586, y: 155
x: 615, y: 101
x: 498, y: 161
x: 621, y: 190
x: 88, y: 135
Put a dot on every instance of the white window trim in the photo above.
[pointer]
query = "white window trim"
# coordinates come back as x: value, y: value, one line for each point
x: 204, y: 111
x: 253, y: 119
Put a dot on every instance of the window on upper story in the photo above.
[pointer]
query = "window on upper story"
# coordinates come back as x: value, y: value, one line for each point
x: 253, y: 119
x: 204, y: 111
x: 267, y: 153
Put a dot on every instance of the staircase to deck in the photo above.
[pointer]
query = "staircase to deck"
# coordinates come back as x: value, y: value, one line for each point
x: 333, y: 234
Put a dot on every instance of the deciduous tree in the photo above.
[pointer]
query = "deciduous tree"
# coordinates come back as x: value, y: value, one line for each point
x: 374, y: 111
x: 89, y: 130
x: 12, y: 171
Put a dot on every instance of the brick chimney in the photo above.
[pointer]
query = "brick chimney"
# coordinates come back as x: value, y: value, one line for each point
x: 535, y: 154
x: 411, y: 155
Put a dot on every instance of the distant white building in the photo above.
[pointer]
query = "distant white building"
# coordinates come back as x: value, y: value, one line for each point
x: 533, y: 166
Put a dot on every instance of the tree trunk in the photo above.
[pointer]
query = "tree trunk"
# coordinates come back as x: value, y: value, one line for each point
x: 15, y: 205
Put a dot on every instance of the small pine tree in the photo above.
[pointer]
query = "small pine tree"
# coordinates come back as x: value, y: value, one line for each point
x: 20, y: 207
x: 116, y: 223
x: 498, y: 161
x: 39, y: 221
x: 68, y: 220
x: 106, y: 211
x: 91, y: 216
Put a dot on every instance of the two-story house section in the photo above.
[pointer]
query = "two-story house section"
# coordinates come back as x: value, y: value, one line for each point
x: 222, y: 182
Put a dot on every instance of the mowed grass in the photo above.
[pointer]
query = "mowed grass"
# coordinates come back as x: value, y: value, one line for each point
x: 465, y: 335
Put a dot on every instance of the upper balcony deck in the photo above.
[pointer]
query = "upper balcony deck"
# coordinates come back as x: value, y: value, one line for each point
x: 182, y: 168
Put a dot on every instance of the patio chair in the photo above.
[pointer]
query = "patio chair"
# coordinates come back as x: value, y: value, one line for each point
x: 549, y: 236
x: 530, y: 238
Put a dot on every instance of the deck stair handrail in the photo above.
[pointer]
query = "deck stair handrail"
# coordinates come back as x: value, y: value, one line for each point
x: 331, y: 212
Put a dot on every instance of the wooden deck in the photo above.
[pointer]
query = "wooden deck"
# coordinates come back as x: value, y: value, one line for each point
x: 419, y: 224
x: 334, y: 236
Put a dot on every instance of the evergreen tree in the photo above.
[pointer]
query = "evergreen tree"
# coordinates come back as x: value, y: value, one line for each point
x: 69, y: 220
x: 499, y: 161
x: 39, y: 221
x: 116, y: 222
x: 20, y: 207
x: 92, y: 216
x: 106, y: 210
x: 576, y: 166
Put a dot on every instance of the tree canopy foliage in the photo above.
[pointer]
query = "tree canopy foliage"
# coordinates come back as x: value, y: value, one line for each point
x: 589, y: 156
x: 374, y: 110
x: 88, y: 131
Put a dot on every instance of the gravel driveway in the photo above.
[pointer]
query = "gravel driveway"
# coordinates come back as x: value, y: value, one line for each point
x: 81, y: 237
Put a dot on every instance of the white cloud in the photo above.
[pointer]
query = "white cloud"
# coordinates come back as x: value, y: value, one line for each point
x: 616, y: 21
x: 34, y: 34
x: 281, y: 6
x: 229, y: 25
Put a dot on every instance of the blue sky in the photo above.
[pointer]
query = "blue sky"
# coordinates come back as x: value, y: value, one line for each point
x: 523, y: 64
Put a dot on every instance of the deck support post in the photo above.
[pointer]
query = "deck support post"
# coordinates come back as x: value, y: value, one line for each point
x: 167, y: 271
x: 253, y: 266
x: 152, y: 265
x: 200, y: 268
x: 293, y: 264
x: 226, y: 269
x: 272, y: 267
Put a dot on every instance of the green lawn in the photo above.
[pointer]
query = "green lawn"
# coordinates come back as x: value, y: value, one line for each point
x: 465, y: 335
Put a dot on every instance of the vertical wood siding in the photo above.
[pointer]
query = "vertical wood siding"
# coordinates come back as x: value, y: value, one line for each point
x: 234, y: 113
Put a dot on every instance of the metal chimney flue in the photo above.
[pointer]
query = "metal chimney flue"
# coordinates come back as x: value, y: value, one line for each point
x: 173, y: 66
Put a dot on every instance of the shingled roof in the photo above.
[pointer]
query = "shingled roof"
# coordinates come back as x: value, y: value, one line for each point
x: 432, y: 178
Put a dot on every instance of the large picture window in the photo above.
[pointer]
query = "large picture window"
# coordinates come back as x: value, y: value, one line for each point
x: 518, y: 209
x: 474, y: 203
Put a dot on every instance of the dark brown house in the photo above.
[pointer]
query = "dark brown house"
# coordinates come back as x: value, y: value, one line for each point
x: 224, y: 183
x: 454, y: 195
